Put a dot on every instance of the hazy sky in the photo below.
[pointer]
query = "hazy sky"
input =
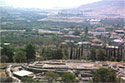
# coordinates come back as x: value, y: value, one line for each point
x: 47, y: 4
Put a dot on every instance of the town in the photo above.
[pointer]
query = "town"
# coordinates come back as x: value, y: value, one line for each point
x: 84, y: 44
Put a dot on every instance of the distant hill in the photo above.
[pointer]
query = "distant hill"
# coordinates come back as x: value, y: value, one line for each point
x: 103, y: 8
x: 105, y: 3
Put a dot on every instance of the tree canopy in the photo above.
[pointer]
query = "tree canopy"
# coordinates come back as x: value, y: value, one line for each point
x: 7, y: 51
x: 101, y: 55
x: 69, y: 77
x: 30, y: 51
x: 92, y: 54
x: 76, y: 32
x: 4, y: 58
x: 20, y: 56
x: 51, y: 76
x: 104, y: 75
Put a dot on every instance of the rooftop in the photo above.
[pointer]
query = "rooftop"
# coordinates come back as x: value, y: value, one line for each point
x: 117, y: 40
x: 119, y: 31
x: 100, y: 28
x: 22, y: 73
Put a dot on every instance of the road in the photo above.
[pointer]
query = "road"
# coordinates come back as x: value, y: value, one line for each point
x: 8, y: 70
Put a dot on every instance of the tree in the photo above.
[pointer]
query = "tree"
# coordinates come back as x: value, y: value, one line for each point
x: 58, y: 54
x: 76, y: 32
x: 8, y: 51
x: 101, y: 55
x: 30, y: 51
x: 92, y: 55
x: 55, y: 54
x: 43, y: 52
x: 20, y: 56
x: 4, y: 58
x: 104, y: 75
x: 65, y: 57
x: 69, y: 77
x: 51, y: 76
x: 27, y: 79
x: 86, y: 30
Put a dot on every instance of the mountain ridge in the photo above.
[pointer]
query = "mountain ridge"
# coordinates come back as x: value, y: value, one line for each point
x: 112, y: 6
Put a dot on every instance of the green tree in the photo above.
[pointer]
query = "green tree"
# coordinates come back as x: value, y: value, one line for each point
x: 4, y: 58
x: 76, y: 32
x: 8, y: 51
x: 55, y: 53
x: 86, y: 30
x: 101, y: 55
x: 69, y: 77
x: 43, y: 52
x: 30, y: 51
x: 27, y: 79
x: 20, y: 56
x: 104, y: 75
x: 51, y: 76
x: 59, y: 54
x: 92, y: 54
x: 65, y: 57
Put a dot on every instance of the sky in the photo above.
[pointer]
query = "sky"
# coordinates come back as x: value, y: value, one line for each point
x: 48, y: 4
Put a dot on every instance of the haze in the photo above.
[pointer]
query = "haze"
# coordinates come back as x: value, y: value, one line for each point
x: 48, y: 4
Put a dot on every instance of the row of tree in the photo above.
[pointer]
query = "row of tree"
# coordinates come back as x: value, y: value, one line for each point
x: 106, y: 54
x: 27, y: 53
x: 9, y: 54
x: 54, y: 53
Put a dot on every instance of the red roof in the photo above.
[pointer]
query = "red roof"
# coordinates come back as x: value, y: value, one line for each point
x: 100, y: 28
x: 96, y: 40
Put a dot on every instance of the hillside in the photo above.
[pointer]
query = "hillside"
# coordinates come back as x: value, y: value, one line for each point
x: 103, y: 8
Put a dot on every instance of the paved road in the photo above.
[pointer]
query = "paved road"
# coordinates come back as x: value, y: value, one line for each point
x: 8, y: 70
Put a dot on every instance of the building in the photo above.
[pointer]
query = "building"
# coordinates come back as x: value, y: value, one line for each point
x: 96, y: 33
x: 22, y: 73
x: 100, y: 29
x: 97, y: 40
x: 117, y: 42
x: 120, y: 32
x: 6, y: 44
x: 85, y: 44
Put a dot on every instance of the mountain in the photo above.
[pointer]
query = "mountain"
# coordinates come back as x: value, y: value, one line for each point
x: 101, y: 8
x: 111, y: 3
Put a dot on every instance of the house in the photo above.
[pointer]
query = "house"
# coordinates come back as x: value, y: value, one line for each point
x: 113, y: 35
x: 117, y: 42
x: 6, y: 44
x: 120, y: 32
x: 97, y: 40
x: 94, y: 45
x: 96, y: 33
x: 85, y: 44
x: 100, y: 29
